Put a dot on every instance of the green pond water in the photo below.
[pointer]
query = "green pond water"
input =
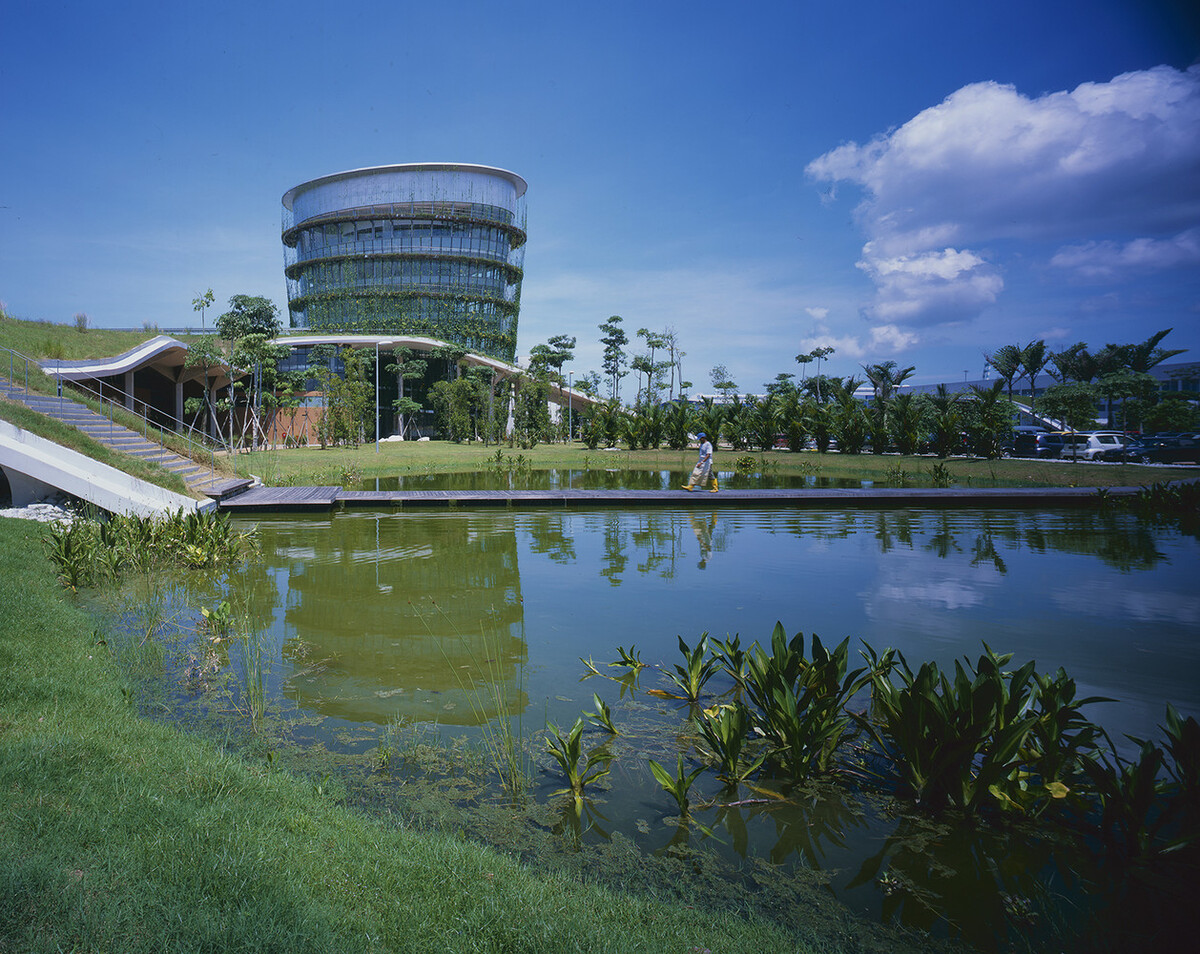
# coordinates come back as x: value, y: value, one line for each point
x: 392, y: 644
x: 508, y: 476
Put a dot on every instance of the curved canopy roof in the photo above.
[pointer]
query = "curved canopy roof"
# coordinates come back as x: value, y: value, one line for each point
x: 558, y: 393
x: 164, y: 354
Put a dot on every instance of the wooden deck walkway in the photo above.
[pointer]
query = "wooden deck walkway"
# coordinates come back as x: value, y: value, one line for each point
x: 328, y: 498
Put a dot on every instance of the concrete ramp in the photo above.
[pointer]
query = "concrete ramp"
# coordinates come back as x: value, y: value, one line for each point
x: 35, y: 467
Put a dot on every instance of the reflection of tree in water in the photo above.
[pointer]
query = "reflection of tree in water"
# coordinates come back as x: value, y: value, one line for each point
x: 984, y: 551
x: 614, y: 558
x: 942, y: 541
x: 659, y: 541
x: 548, y: 537
x: 1118, y: 539
x: 892, y: 528
x: 400, y: 616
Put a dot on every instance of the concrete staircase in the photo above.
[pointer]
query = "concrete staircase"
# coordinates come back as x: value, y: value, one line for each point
x: 199, y: 478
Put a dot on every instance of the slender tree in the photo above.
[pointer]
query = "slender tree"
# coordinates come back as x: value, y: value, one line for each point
x: 406, y: 367
x: 201, y: 302
x: 204, y: 353
x: 614, y: 341
x: 819, y: 355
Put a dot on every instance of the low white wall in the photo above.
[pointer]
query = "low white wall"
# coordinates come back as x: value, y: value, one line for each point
x: 34, y: 464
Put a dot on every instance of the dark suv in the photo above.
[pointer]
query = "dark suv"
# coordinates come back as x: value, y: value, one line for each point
x: 1024, y: 442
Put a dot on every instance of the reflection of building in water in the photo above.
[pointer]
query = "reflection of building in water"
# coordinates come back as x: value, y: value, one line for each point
x: 413, y: 616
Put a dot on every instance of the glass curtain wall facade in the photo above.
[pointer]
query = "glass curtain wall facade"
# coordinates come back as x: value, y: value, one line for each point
x: 431, y: 249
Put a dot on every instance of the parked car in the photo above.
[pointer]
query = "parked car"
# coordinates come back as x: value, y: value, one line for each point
x: 1102, y: 442
x: 1056, y: 444
x: 1023, y: 442
x: 1160, y: 450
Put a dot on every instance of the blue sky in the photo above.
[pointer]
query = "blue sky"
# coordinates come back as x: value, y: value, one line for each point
x: 918, y: 182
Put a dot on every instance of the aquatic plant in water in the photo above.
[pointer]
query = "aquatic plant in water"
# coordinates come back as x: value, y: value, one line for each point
x: 677, y: 785
x: 724, y: 729
x: 85, y: 552
x: 801, y: 701
x: 602, y: 717
x: 567, y: 750
x: 954, y: 742
x: 629, y: 658
x: 698, y: 668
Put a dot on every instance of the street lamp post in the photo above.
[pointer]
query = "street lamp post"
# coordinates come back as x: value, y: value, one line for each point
x: 386, y: 344
x: 570, y: 406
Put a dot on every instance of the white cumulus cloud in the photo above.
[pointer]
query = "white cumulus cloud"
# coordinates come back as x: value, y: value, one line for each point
x: 1099, y: 165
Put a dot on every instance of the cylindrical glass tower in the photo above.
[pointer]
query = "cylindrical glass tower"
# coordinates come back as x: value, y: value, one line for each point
x: 431, y: 248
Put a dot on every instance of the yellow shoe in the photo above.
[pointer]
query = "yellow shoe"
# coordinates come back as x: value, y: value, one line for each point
x: 714, y: 486
x: 687, y: 487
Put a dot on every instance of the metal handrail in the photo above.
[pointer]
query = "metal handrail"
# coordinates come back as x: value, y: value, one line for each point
x: 123, y: 404
x: 12, y: 356
x: 203, y: 449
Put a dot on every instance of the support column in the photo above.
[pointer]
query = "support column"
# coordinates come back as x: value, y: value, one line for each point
x: 129, y: 390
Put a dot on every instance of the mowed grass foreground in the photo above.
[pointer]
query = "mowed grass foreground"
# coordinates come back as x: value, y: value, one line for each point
x: 301, y: 466
x: 119, y: 834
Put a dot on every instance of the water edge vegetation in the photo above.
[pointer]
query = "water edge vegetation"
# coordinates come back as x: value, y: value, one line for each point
x: 122, y: 833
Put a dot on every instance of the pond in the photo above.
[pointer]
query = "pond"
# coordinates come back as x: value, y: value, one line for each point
x: 393, y: 644
x: 511, y: 476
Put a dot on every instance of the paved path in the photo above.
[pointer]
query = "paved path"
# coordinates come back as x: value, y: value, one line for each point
x: 328, y: 498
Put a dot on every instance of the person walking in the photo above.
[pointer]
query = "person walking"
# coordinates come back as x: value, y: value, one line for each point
x: 703, y: 468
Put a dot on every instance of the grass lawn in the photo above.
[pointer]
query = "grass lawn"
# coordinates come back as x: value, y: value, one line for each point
x: 339, y: 465
x: 119, y: 834
x: 343, y: 465
x: 44, y: 339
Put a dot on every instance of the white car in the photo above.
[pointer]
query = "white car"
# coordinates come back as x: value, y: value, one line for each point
x: 1100, y: 441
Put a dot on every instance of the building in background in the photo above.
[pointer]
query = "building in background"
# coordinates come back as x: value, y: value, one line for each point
x: 433, y: 249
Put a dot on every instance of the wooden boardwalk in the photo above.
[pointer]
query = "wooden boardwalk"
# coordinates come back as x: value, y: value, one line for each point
x: 328, y: 498
x: 283, y: 498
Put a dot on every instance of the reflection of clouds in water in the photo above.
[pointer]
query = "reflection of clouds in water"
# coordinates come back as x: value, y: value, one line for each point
x: 946, y: 594
x: 1098, y: 599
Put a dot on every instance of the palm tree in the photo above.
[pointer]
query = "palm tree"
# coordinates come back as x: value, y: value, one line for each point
x: 1033, y: 359
x: 947, y: 416
x: 1142, y: 357
x: 904, y: 420
x: 991, y: 419
x: 709, y: 419
x: 885, y: 378
x: 791, y: 415
x: 1075, y: 364
x: 1007, y: 362
x: 764, y: 421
